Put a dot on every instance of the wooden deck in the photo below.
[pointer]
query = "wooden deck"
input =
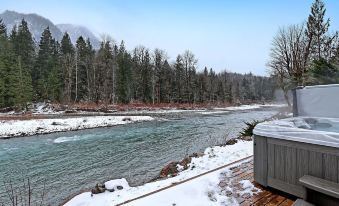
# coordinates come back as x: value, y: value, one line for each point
x: 267, y: 197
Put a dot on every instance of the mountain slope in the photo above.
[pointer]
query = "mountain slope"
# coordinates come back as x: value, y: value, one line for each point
x: 36, y: 23
x: 75, y: 31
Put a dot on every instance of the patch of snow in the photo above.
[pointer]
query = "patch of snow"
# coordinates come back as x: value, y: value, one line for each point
x: 180, y: 167
x: 160, y: 111
x: 113, y: 184
x: 247, y: 107
x: 252, y: 106
x: 248, y: 187
x: 200, y: 191
x: 12, y: 128
x: 43, y: 108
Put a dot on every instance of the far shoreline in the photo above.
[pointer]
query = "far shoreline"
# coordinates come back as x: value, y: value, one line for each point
x: 59, y: 118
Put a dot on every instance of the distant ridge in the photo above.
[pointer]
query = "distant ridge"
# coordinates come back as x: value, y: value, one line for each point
x: 37, y: 24
x: 75, y: 31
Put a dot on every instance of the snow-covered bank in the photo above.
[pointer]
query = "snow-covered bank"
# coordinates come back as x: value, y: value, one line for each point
x: 250, y: 106
x: 205, y: 111
x: 13, y: 128
x: 200, y: 191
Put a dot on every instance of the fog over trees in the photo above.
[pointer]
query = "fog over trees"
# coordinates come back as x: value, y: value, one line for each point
x: 65, y: 73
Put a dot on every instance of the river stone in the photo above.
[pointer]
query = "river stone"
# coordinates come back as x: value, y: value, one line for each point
x: 99, y: 188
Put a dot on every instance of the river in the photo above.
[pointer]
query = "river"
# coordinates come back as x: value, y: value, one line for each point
x: 72, y: 161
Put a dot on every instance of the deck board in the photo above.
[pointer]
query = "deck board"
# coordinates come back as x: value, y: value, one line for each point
x: 266, y: 196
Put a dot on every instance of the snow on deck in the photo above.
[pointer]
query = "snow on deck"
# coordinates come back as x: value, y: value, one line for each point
x: 12, y: 128
x: 203, y: 190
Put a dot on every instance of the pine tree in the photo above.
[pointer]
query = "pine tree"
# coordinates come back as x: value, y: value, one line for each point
x: 10, y: 75
x: 179, y: 79
x: 107, y: 69
x: 3, y: 30
x: 68, y: 66
x: 189, y: 63
x: 23, y: 46
x: 317, y: 28
x: 3, y: 52
x: 23, y: 87
x: 123, y: 75
x: 46, y: 76
x: 146, y: 79
x: 89, y: 61
x: 54, y: 86
x: 168, y: 81
x: 81, y: 73
x: 159, y: 76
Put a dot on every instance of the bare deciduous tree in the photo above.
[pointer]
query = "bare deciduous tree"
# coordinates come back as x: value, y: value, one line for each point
x: 289, y: 57
x: 22, y: 194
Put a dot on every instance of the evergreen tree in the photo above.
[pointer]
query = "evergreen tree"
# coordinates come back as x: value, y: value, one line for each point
x: 13, y: 35
x: 9, y: 72
x: 317, y: 27
x: 159, y: 76
x: 167, y: 77
x: 23, y: 87
x: 123, y: 75
x: 3, y: 66
x: 68, y: 65
x: 179, y: 79
x: 323, y: 72
x: 54, y: 86
x: 89, y: 61
x: 81, y: 72
x: 3, y: 30
x: 46, y: 75
x: 146, y: 78
x: 23, y: 46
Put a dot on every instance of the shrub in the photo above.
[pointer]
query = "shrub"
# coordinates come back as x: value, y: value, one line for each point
x: 248, y: 130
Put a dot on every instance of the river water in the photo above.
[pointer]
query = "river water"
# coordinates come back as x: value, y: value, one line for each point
x: 72, y: 161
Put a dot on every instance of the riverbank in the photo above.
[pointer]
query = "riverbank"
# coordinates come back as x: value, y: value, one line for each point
x: 48, y: 110
x: 204, y: 190
x: 45, y: 119
x: 19, y: 128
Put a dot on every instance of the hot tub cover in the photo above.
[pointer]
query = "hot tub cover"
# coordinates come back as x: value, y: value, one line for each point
x: 318, y: 101
x: 299, y: 129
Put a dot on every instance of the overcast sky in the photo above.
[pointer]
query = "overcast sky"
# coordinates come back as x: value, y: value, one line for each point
x: 232, y: 35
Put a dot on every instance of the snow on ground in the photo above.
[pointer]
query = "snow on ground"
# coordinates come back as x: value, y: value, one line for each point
x: 12, y: 128
x: 160, y: 111
x: 215, y: 110
x: 43, y: 108
x: 200, y: 191
x: 251, y: 106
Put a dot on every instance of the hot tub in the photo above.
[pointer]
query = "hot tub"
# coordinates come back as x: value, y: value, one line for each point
x: 285, y: 150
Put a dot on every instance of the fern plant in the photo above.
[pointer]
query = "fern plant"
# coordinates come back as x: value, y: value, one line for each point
x: 248, y: 130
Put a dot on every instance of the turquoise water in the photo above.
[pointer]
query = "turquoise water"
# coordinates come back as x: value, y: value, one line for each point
x: 72, y: 161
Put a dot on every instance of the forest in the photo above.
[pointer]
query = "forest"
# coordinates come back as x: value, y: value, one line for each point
x: 60, y: 72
